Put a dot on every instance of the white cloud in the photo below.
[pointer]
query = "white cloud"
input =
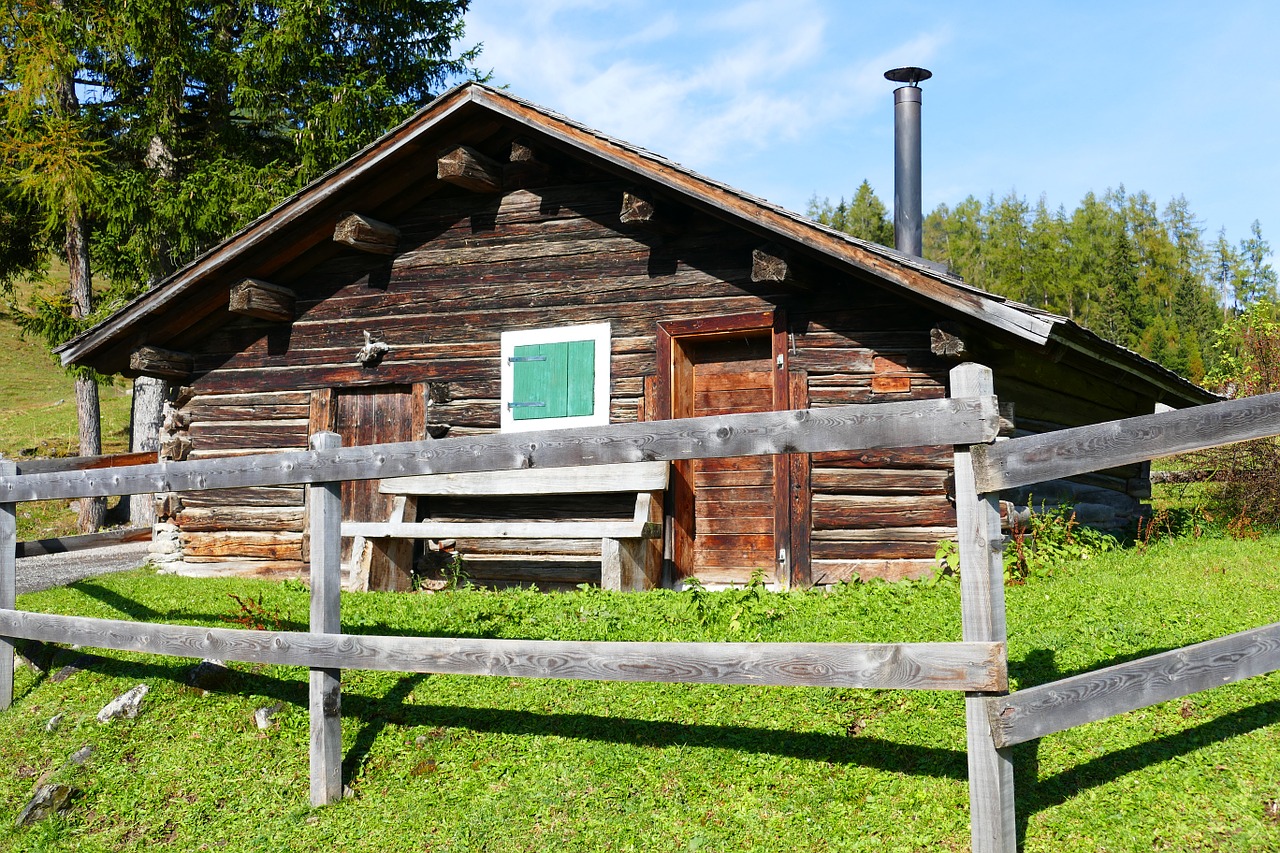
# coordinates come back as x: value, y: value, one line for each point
x: 699, y: 86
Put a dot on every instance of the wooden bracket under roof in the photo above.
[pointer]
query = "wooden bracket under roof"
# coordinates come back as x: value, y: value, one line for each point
x: 525, y: 169
x: 771, y: 262
x: 253, y: 297
x: 466, y: 167
x: 366, y: 234
x: 161, y: 363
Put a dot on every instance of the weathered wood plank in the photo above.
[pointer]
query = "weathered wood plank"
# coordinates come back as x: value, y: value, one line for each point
x: 620, y: 477
x: 904, y: 424
x: 83, y: 542
x: 503, y: 530
x: 1036, y: 458
x: 1070, y: 702
x: 326, y: 588
x: 896, y: 666
x: 8, y: 586
x: 992, y: 821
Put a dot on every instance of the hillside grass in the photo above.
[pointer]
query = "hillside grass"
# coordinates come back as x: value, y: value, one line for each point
x: 473, y: 763
x: 38, y: 411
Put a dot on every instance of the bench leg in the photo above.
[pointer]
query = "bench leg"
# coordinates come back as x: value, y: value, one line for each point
x: 625, y: 565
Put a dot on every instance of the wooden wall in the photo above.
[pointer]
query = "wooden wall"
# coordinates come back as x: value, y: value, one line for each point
x: 471, y: 266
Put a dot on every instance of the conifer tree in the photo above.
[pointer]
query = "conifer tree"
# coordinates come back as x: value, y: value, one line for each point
x: 138, y: 134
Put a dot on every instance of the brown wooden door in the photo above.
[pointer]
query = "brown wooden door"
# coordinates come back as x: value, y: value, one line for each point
x: 731, y: 515
x: 373, y: 415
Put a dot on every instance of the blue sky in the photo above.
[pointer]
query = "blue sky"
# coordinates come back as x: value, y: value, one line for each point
x: 787, y: 100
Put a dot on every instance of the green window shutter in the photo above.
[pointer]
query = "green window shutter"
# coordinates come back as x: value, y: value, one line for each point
x: 553, y: 380
x: 580, y: 376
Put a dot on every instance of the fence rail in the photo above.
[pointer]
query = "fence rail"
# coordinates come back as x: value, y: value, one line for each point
x: 1092, y: 696
x: 977, y: 665
x: 1080, y: 450
x: 854, y: 427
x: 881, y: 666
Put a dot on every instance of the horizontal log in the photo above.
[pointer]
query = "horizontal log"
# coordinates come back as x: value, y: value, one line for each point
x: 838, y: 511
x: 248, y: 435
x: 827, y: 572
x: 878, y: 481
x: 911, y: 423
x: 1048, y: 708
x: 252, y: 297
x: 265, y: 545
x: 83, y: 542
x: 224, y: 518
x: 264, y: 496
x: 503, y: 530
x: 1035, y: 458
x: 85, y: 463
x: 886, y: 549
x: 937, y: 456
x: 885, y: 666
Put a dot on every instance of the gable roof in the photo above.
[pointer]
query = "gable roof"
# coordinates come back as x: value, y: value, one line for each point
x: 193, y: 300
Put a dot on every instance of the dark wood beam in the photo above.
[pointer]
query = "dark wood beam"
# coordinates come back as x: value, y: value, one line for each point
x: 161, y: 363
x: 771, y: 262
x: 367, y: 235
x: 262, y: 299
x: 466, y: 167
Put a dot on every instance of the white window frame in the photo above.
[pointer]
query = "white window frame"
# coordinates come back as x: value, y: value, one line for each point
x: 598, y: 333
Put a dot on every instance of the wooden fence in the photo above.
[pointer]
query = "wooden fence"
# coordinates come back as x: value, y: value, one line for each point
x: 85, y: 541
x: 977, y: 665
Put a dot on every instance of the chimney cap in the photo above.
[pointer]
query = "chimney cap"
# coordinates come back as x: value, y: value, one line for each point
x: 909, y: 74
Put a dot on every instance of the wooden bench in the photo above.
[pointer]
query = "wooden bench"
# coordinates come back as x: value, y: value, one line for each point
x: 630, y: 548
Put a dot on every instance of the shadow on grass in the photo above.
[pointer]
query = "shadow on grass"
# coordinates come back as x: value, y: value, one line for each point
x: 1034, y: 795
x: 376, y: 712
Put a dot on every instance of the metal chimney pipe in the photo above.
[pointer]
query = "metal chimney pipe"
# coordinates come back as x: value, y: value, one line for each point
x: 908, y: 219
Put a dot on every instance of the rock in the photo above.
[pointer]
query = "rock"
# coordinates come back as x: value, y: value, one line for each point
x: 47, y: 800
x: 72, y: 668
x: 81, y: 755
x: 125, y: 705
x: 209, y: 674
x: 54, y: 722
x: 264, y: 718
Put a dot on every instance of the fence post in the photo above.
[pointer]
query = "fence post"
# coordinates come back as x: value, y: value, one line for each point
x: 326, y: 583
x: 8, y: 582
x: 992, y: 820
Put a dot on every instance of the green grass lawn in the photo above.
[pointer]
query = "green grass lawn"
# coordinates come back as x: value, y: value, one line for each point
x: 473, y: 763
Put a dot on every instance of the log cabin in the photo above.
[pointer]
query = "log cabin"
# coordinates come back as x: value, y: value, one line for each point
x: 491, y: 265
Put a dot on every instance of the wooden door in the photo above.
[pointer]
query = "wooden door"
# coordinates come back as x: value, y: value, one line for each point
x: 731, y: 517
x: 373, y: 415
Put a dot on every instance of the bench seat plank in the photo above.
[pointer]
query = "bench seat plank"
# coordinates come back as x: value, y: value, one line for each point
x: 592, y: 479
x: 504, y: 529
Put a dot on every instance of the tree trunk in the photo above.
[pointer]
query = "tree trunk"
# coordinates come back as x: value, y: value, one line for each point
x: 147, y: 412
x: 92, y: 510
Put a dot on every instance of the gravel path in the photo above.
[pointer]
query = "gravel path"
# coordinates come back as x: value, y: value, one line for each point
x: 49, y: 570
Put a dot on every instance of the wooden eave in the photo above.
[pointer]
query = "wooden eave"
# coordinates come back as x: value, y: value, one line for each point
x: 303, y: 224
